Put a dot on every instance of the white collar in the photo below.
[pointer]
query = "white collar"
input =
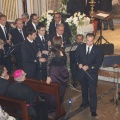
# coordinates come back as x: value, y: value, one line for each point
x: 34, y: 25
x: 31, y: 41
x: 41, y: 36
x: 59, y: 35
x: 2, y: 77
x: 2, y: 26
x: 19, y: 29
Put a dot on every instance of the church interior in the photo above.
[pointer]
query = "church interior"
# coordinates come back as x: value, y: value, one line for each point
x: 51, y: 84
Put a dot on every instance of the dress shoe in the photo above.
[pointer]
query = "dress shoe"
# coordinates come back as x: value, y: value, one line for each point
x: 105, y: 29
x: 94, y: 114
x: 83, y: 106
x: 112, y: 29
x: 74, y: 85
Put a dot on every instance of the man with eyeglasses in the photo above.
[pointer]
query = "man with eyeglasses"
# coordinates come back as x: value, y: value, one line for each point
x: 89, y: 58
x: 33, y: 21
x: 58, y: 20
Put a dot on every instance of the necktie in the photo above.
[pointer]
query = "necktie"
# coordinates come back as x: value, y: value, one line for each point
x: 43, y: 40
x: 88, y: 51
x: 5, y: 31
x: 22, y: 34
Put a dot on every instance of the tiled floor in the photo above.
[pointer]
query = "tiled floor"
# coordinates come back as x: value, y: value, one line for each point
x: 106, y: 110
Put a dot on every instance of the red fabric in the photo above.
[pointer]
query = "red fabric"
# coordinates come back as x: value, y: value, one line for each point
x: 95, y: 23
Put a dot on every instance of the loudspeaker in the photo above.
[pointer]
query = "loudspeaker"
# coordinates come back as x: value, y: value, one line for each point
x: 108, y: 49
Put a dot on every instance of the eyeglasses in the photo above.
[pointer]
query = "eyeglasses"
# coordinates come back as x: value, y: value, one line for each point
x: 57, y: 17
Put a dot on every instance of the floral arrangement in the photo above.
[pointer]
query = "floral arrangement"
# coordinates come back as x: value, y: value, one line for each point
x: 46, y: 18
x: 76, y: 22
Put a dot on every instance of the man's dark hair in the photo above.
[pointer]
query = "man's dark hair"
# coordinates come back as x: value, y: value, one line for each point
x: 30, y: 31
x: 57, y: 14
x: 1, y: 69
x: 79, y: 35
x: 40, y: 25
x: 17, y: 20
x: 32, y: 15
x: 2, y: 16
x: 90, y: 35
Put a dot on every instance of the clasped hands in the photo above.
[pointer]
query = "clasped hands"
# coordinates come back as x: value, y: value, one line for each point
x: 39, y: 54
x: 85, y: 67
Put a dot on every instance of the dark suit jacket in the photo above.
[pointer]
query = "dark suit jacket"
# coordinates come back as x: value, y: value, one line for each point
x: 65, y: 38
x: 52, y: 28
x: 3, y: 86
x: 19, y: 90
x: 74, y: 6
x: 106, y: 5
x: 2, y: 36
x: 29, y: 55
x: 93, y: 61
x: 29, y: 25
x: 17, y: 38
x: 42, y: 45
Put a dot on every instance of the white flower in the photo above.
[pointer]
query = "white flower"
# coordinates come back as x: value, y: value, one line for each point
x: 75, y: 14
x: 75, y: 19
x: 50, y: 11
x: 79, y: 14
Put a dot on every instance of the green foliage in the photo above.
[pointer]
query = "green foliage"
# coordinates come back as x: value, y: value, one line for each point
x: 64, y: 2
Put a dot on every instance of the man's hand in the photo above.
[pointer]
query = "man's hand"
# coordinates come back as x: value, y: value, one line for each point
x: 48, y: 80
x: 8, y: 41
x: 39, y: 54
x: 42, y: 60
x: 85, y: 67
x: 80, y: 66
x: 7, y: 77
x: 45, y: 52
x: 49, y: 43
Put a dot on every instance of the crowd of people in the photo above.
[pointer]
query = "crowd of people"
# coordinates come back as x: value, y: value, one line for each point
x: 42, y: 56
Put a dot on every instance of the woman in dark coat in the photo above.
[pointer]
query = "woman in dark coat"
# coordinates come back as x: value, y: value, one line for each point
x: 56, y: 70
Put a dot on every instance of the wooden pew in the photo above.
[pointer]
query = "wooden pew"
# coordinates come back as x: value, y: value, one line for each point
x: 52, y: 89
x: 17, y: 105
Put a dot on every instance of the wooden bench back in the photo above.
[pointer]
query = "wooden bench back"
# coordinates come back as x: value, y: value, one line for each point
x: 51, y: 89
x: 15, y: 104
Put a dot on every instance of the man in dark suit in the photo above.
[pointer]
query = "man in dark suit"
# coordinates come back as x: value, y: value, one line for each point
x: 42, y: 44
x: 60, y: 32
x: 89, y: 58
x: 19, y: 90
x: 29, y: 54
x: 33, y: 21
x: 4, y: 35
x: 58, y: 20
x: 18, y: 36
x: 25, y: 19
x: 106, y: 6
x: 73, y: 66
x: 4, y: 82
x: 74, y: 6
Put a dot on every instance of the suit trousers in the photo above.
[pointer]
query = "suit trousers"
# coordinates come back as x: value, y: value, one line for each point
x: 88, y: 88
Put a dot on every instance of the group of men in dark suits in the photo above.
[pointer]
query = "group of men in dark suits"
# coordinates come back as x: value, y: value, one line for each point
x: 33, y: 48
